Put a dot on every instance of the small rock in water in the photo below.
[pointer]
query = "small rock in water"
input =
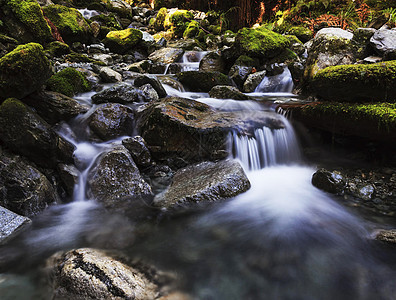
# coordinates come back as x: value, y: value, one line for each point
x: 109, y: 76
x: 138, y: 149
x: 331, y: 182
x: 10, y: 224
x: 387, y: 236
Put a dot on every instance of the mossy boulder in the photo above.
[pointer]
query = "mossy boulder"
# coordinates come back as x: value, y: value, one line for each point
x: 121, y: 41
x: 69, y: 82
x: 200, y: 81
x: 191, y: 30
x: 373, y: 82
x: 376, y: 121
x: 70, y: 23
x: 24, y: 132
x: 179, y: 21
x: 23, y: 71
x: 160, y: 19
x: 25, y: 21
x: 330, y: 47
x: 108, y: 20
x: 261, y: 42
x: 302, y: 33
x: 57, y: 49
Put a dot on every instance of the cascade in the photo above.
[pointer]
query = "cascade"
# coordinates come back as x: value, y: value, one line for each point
x: 88, y: 13
x: 277, y: 83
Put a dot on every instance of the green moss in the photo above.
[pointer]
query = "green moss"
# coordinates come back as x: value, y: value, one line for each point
x: 7, y: 39
x: 302, y: 33
x: 70, y: 23
x: 121, y: 41
x: 191, y: 30
x: 29, y: 13
x: 23, y: 70
x: 201, y: 36
x: 13, y: 111
x: 109, y: 20
x: 381, y: 114
x: 82, y: 58
x: 58, y: 48
x: 160, y: 19
x: 247, y: 61
x: 68, y: 82
x: 180, y: 20
x: 260, y: 42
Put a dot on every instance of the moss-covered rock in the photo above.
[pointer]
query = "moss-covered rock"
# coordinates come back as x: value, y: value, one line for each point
x: 302, y: 33
x: 260, y: 42
x: 374, y: 82
x: 24, y: 21
x: 180, y: 20
x: 199, y: 81
x: 69, y: 82
x: 121, y: 41
x: 374, y: 121
x: 160, y: 19
x: 57, y: 49
x: 70, y: 23
x: 191, y: 30
x: 108, y: 20
x: 23, y: 71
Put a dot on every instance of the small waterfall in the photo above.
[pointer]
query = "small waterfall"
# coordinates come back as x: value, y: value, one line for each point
x: 87, y: 13
x: 267, y: 147
x: 279, y: 83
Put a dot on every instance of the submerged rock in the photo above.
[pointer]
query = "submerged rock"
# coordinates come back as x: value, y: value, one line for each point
x: 193, y: 131
x: 26, y: 133
x: 204, y: 183
x: 112, y: 120
x: 199, y: 81
x: 23, y: 71
x: 116, y: 182
x: 123, y: 93
x: 55, y: 107
x: 11, y: 224
x: 23, y: 188
x: 93, y: 274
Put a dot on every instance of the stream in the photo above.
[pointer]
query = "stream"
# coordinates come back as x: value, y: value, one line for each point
x: 282, y: 239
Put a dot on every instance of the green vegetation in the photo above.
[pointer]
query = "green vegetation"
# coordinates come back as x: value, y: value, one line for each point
x: 180, y: 20
x: 160, y: 19
x: 57, y: 49
x: 109, y: 20
x: 69, y: 82
x: 29, y: 13
x: 191, y: 30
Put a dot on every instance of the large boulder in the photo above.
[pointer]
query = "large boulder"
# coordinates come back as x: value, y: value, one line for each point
x: 373, y: 121
x: 112, y: 120
x: 384, y: 40
x: 11, y: 224
x: 23, y: 71
x: 55, y: 107
x: 24, y: 20
x: 123, y: 93
x: 330, y: 47
x: 70, y: 22
x: 93, y: 274
x: 204, y: 183
x: 199, y: 81
x: 373, y: 82
x: 193, y: 131
x: 121, y: 41
x: 260, y: 42
x: 23, y: 188
x: 69, y: 82
x: 26, y: 133
x: 116, y: 182
x: 166, y: 55
x: 212, y: 62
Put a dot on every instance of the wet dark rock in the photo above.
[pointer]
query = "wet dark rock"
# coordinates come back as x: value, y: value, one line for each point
x: 332, y: 182
x: 153, y: 81
x: 26, y: 133
x: 109, y: 76
x: 253, y: 80
x: 69, y: 176
x: 204, y: 182
x: 55, y: 107
x: 239, y: 74
x: 387, y: 236
x: 11, y: 224
x: 93, y: 274
x: 23, y: 188
x: 199, y: 81
x: 166, y: 55
x: 227, y: 92
x: 212, y: 62
x: 193, y: 131
x: 116, y: 182
x: 150, y: 94
x: 138, y: 149
x: 143, y: 66
x: 112, y: 120
x: 123, y: 93
x: 390, y: 55
x: 383, y: 40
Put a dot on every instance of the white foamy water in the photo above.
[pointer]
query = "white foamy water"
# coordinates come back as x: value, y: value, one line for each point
x: 282, y: 83
x: 88, y: 13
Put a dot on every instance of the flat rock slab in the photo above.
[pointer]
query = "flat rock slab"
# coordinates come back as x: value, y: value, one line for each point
x: 204, y: 182
x: 10, y: 224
